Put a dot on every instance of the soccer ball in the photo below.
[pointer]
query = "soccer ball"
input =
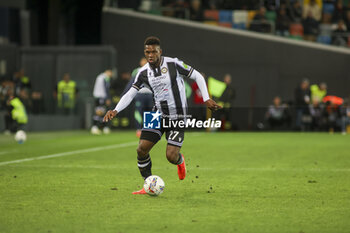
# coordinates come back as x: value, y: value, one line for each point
x: 20, y: 136
x: 154, y: 185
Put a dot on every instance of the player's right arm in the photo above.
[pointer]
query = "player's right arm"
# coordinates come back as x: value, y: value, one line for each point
x: 123, y: 103
x: 126, y: 99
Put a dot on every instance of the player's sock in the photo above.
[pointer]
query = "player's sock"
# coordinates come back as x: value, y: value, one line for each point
x: 180, y: 160
x: 145, y: 165
x: 177, y: 161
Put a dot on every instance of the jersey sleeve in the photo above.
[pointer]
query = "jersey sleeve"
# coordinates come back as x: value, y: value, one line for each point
x: 140, y: 80
x: 183, y: 68
x: 126, y: 100
x: 195, y: 75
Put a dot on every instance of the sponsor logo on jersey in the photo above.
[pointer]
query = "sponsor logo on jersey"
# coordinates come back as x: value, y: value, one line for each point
x: 164, y: 70
x: 185, y: 66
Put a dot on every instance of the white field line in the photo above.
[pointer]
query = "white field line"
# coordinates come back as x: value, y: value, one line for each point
x: 94, y: 149
x: 4, y: 152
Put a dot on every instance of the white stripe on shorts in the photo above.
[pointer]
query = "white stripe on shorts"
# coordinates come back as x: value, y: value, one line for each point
x: 175, y: 143
x: 154, y: 131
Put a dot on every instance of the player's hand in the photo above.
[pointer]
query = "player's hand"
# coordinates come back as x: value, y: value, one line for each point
x: 212, y: 105
x: 109, y: 115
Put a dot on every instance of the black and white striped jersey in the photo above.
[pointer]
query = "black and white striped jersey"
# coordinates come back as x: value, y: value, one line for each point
x: 167, y: 85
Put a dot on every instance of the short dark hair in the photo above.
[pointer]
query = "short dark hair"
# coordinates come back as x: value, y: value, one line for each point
x: 152, y: 40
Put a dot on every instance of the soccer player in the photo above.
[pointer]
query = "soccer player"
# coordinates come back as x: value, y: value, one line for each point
x: 16, y: 117
x: 102, y: 101
x: 143, y: 100
x: 164, y: 77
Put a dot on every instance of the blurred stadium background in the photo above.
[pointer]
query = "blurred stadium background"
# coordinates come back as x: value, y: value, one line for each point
x: 288, y: 62
x: 267, y: 47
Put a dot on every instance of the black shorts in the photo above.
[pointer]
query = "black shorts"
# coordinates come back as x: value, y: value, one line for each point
x: 100, y: 107
x: 174, y: 137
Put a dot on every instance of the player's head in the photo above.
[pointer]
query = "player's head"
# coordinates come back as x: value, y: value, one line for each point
x: 305, y: 83
x: 66, y: 77
x: 277, y: 101
x: 227, y: 79
x: 152, y: 50
x: 109, y: 73
x: 323, y: 86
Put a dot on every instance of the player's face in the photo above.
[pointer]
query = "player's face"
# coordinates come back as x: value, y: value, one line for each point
x: 152, y: 54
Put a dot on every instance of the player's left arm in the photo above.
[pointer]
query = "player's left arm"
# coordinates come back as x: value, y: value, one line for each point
x: 191, y: 73
x: 211, y: 104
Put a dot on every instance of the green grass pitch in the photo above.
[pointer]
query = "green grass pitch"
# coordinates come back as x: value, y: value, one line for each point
x: 236, y: 182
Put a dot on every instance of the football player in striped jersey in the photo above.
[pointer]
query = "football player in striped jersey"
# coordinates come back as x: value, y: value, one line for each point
x: 164, y: 76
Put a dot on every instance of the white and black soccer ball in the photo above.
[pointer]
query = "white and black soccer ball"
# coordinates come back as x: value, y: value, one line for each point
x: 20, y: 136
x: 154, y: 185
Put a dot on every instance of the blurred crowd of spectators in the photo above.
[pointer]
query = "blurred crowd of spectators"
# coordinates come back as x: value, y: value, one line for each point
x: 314, y: 110
x: 21, y: 86
x: 324, y: 21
